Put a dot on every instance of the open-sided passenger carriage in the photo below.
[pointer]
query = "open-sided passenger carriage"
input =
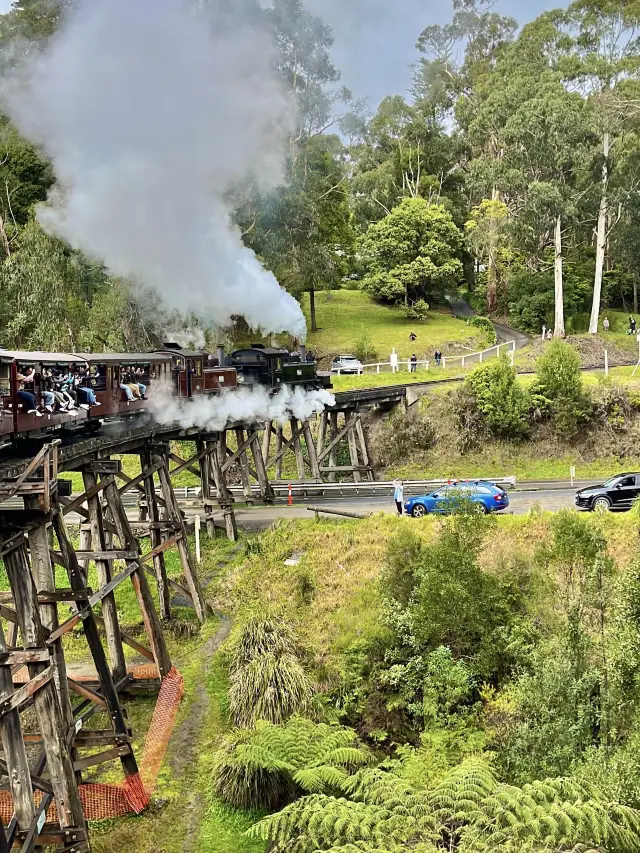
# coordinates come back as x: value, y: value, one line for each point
x: 15, y: 418
x: 108, y: 371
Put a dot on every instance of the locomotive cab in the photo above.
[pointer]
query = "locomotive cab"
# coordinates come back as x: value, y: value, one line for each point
x: 260, y: 365
x: 273, y: 368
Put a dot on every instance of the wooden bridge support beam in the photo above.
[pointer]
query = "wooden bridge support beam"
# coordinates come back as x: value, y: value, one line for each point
x: 155, y: 534
x: 308, y: 469
x: 104, y: 568
x: 160, y: 459
x: 205, y: 479
x: 352, y: 432
x: 333, y: 456
x: 41, y: 688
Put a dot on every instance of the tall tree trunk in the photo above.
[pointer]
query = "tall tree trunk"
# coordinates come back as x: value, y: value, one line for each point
x: 312, y: 309
x: 492, y: 266
x: 601, y: 245
x: 635, y: 294
x: 558, y: 329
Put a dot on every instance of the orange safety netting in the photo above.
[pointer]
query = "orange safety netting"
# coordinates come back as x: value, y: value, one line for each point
x: 101, y: 801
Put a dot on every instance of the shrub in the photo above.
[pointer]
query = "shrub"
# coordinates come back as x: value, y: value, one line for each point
x: 364, y: 350
x: 268, y: 681
x: 532, y: 296
x: 269, y: 766
x: 613, y: 406
x: 485, y: 325
x: 467, y: 810
x: 417, y: 311
x: 550, y: 717
x: 558, y: 388
x: 441, y: 573
x: 403, y: 435
x: 502, y: 402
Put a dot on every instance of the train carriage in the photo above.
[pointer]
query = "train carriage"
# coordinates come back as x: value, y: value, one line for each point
x: 109, y: 371
x: 197, y: 372
x: 15, y: 417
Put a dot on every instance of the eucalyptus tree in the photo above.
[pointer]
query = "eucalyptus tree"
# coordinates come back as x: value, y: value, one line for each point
x: 455, y: 78
x: 544, y: 133
x: 604, y: 64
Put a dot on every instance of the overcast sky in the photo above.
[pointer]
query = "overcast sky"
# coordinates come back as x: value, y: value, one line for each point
x: 375, y: 39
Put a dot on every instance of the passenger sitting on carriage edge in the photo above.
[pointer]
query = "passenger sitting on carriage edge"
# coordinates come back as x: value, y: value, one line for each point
x: 124, y: 384
x: 136, y: 384
x: 63, y: 394
x: 47, y: 390
x: 27, y: 399
x: 134, y: 390
x: 84, y: 390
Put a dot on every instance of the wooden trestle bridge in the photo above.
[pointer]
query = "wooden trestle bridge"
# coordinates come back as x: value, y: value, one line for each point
x: 47, y: 803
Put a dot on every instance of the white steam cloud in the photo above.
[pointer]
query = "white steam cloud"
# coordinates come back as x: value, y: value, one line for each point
x: 241, y: 406
x: 153, y: 112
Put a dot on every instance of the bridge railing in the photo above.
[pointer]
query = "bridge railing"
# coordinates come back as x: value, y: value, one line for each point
x: 344, y: 490
x: 464, y: 361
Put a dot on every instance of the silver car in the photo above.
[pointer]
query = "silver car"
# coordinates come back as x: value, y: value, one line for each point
x: 346, y: 364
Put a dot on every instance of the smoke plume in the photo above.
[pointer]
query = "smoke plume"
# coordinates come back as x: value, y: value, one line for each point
x: 241, y: 406
x: 152, y: 112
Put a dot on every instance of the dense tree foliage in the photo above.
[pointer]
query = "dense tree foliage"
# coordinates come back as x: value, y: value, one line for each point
x: 410, y: 255
x: 517, y: 152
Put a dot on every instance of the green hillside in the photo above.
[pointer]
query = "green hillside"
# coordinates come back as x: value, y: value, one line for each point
x: 344, y: 317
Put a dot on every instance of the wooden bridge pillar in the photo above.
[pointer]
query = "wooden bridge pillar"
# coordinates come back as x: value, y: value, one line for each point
x: 352, y: 434
x: 155, y: 533
x: 160, y: 460
x: 307, y: 469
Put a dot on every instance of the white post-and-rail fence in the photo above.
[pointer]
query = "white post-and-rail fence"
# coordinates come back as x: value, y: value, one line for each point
x: 465, y: 361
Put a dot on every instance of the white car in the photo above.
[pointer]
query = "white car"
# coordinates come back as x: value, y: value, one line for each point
x: 346, y: 364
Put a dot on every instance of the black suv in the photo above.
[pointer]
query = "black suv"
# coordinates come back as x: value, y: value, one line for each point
x: 619, y: 493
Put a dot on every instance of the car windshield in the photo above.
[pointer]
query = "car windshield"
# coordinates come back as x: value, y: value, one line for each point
x: 610, y: 483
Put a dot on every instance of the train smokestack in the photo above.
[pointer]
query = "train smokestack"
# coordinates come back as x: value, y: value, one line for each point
x: 303, y: 352
x: 221, y: 355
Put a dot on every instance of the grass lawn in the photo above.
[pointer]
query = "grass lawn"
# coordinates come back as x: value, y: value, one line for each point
x: 345, y: 316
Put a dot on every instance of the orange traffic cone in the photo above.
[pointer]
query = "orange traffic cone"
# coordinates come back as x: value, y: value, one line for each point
x: 290, y: 495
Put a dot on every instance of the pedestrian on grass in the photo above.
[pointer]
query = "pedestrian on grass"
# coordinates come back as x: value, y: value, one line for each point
x: 413, y: 337
x: 632, y: 325
x: 605, y: 324
x: 414, y: 363
x: 398, y: 495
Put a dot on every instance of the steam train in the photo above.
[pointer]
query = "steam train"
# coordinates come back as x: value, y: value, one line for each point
x: 190, y: 374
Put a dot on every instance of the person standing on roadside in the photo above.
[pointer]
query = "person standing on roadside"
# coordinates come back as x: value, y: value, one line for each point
x: 606, y: 324
x: 398, y: 495
x: 414, y: 363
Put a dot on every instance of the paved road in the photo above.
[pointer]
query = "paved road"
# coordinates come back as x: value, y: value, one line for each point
x: 259, y: 517
x: 504, y: 333
x: 521, y: 502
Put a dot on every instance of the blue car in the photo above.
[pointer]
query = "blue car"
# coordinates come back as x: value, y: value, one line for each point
x: 487, y: 497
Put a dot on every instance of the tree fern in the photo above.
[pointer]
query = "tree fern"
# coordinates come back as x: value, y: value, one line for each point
x: 470, y: 811
x: 271, y: 765
x: 268, y: 681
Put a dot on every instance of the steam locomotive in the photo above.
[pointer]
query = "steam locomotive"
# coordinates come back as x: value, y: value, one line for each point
x: 190, y: 374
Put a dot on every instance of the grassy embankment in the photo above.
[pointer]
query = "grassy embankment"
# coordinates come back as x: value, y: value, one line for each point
x: 345, y: 316
x: 340, y: 563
